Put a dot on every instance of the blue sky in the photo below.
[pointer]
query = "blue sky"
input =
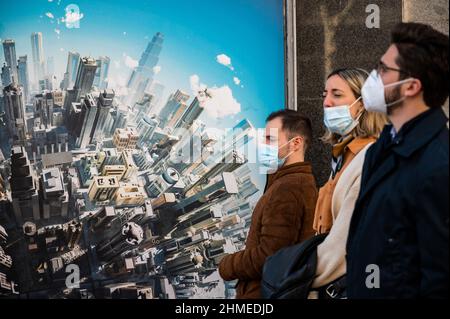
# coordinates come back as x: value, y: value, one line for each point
x: 250, y: 32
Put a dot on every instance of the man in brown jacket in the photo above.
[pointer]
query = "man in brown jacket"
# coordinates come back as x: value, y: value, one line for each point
x: 284, y: 214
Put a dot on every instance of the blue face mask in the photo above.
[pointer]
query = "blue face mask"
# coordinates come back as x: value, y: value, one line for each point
x: 268, y: 158
x: 339, y: 120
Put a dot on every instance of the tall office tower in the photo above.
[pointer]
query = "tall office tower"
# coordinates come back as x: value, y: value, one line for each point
x: 190, y: 115
x: 126, y: 138
x: 175, y: 102
x: 120, y: 118
x: 146, y: 126
x: 9, y: 49
x: 73, y: 62
x: 101, y: 75
x: 73, y: 233
x: 142, y: 75
x: 6, y: 75
x: 38, y: 57
x: 24, y: 187
x: 85, y: 77
x: 15, y: 112
x: 217, y: 249
x: 104, y: 105
x: 55, y: 198
x: 43, y: 108
x: 23, y: 76
x: 129, y: 237
x: 186, y: 262
x: 88, y: 115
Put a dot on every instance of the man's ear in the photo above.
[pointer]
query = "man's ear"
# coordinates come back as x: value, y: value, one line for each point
x: 299, y: 142
x: 413, y: 88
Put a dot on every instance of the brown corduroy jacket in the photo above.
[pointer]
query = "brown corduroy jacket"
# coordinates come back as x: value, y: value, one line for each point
x: 282, y: 217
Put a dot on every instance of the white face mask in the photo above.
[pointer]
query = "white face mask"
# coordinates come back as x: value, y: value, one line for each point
x: 339, y: 120
x: 373, y: 94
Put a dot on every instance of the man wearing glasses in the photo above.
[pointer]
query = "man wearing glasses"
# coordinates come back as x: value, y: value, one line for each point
x: 399, y: 238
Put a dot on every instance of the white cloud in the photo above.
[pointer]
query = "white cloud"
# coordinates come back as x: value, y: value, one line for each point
x: 50, y: 15
x: 218, y: 102
x: 236, y: 80
x: 117, y: 64
x: 130, y: 62
x: 224, y: 60
x: 156, y: 69
x: 72, y: 18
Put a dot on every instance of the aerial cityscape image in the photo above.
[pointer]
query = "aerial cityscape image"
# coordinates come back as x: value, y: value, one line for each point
x: 127, y: 143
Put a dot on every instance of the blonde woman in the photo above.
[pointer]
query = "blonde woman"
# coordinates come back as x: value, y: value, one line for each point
x: 350, y: 130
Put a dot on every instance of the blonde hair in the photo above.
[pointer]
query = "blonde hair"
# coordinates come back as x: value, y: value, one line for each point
x: 370, y: 123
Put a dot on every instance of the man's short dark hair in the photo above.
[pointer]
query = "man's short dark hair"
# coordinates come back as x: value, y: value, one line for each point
x: 294, y: 124
x: 423, y: 54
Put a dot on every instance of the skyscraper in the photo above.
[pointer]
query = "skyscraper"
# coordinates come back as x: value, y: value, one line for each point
x: 22, y: 67
x: 15, y: 112
x: 142, y: 75
x: 104, y: 105
x: 70, y: 76
x: 88, y: 115
x: 6, y: 75
x: 190, y: 115
x: 101, y: 76
x: 85, y: 77
x: 175, y: 102
x: 38, y: 57
x: 9, y: 49
x: 24, y: 187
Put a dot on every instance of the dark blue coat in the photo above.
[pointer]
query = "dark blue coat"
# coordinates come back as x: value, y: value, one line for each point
x: 400, y: 221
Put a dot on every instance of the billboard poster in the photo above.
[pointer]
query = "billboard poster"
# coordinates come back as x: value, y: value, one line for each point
x: 128, y: 134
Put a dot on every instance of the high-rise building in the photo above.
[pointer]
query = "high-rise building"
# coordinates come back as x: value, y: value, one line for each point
x: 104, y: 105
x: 192, y: 113
x: 73, y: 61
x: 101, y: 75
x: 55, y: 198
x: 22, y: 67
x: 145, y: 128
x: 88, y: 115
x: 85, y: 77
x: 142, y: 75
x: 126, y: 238
x: 163, y: 183
x: 24, y: 187
x: 9, y: 49
x: 142, y: 107
x: 125, y: 138
x: 6, y: 75
x: 175, y: 102
x: 38, y: 56
x: 15, y: 112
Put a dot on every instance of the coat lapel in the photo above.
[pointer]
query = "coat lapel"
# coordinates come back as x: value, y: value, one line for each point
x: 381, y: 172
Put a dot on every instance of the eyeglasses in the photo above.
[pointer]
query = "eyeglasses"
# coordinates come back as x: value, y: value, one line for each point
x: 383, y: 68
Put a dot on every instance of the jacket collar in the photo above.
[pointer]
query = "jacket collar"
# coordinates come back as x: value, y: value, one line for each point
x: 418, y: 132
x: 296, y: 168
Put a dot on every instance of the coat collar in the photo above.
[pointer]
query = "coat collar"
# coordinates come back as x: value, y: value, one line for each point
x: 296, y: 168
x: 417, y: 132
